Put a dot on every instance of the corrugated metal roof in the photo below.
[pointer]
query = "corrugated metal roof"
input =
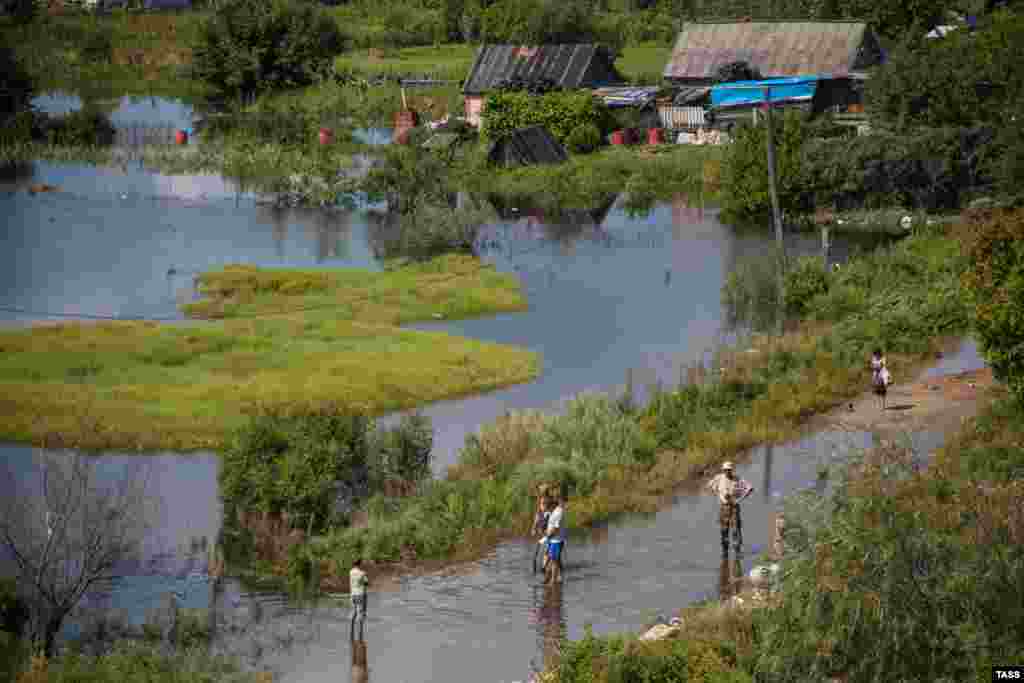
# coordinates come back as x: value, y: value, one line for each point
x: 775, y: 48
x: 565, y: 65
x: 533, y: 145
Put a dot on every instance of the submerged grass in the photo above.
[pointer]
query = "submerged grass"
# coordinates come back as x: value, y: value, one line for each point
x: 283, y: 338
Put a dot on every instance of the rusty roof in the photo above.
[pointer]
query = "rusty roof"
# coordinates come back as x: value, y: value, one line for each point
x: 570, y: 66
x: 775, y: 48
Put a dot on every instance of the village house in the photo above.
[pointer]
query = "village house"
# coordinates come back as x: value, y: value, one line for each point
x: 569, y: 67
x: 815, y: 65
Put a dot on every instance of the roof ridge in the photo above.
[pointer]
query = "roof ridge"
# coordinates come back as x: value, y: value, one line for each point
x: 795, y: 20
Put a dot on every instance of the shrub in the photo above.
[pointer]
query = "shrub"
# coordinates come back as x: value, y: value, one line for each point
x: 16, y: 88
x: 805, y: 280
x: 745, y: 167
x: 994, y: 282
x: 583, y: 139
x: 297, y: 463
x: 404, y: 451
x: 537, y: 22
x: 559, y: 112
x: 675, y: 416
x: 247, y: 46
x: 84, y: 127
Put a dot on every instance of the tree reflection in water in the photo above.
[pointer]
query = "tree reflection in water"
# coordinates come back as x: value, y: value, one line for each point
x: 550, y: 622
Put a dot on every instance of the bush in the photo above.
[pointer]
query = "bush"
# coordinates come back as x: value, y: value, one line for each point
x: 404, y: 451
x: 673, y: 417
x: 84, y: 127
x: 805, y: 280
x: 583, y: 139
x: 994, y: 282
x: 16, y: 88
x: 537, y: 22
x: 559, y: 112
x: 297, y: 463
x: 248, y: 46
x: 745, y: 167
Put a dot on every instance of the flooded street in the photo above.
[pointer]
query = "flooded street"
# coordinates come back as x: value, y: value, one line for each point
x: 607, y: 295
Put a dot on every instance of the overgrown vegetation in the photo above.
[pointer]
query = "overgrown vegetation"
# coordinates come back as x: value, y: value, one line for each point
x: 246, y: 46
x: 279, y: 337
x: 562, y: 113
x: 994, y: 285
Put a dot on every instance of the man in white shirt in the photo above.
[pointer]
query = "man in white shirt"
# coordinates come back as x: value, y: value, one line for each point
x: 358, y: 581
x: 730, y: 492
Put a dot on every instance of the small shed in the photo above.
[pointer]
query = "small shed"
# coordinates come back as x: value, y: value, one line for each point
x: 777, y: 49
x: 568, y: 66
x: 527, y: 146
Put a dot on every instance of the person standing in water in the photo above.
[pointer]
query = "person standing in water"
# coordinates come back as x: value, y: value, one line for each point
x: 358, y: 581
x: 555, y: 538
x: 540, y: 526
x: 730, y: 491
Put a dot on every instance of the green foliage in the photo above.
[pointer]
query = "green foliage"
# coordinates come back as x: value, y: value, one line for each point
x: 292, y: 463
x: 249, y: 46
x: 674, y: 416
x: 410, y: 177
x: 404, y: 451
x: 994, y: 284
x: 964, y: 79
x: 537, y: 22
x: 928, y: 168
x: 429, y: 232
x: 745, y: 166
x: 897, y: 561
x: 584, y: 139
x: 805, y: 280
x: 131, y: 661
x: 16, y: 89
x: 85, y: 127
x: 559, y: 112
x: 20, y: 11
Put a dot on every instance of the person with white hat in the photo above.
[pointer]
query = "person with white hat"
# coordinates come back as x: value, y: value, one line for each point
x: 730, y: 492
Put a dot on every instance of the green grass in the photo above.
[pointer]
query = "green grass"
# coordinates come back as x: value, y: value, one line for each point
x: 284, y: 338
x: 444, y: 62
x: 644, y: 62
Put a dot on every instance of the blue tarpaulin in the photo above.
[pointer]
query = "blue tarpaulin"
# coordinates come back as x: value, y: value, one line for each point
x: 748, y: 93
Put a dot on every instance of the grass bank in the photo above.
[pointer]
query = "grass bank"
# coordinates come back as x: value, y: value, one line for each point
x: 281, y: 337
x: 615, y: 459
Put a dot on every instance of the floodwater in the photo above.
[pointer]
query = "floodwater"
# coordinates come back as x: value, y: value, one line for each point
x: 607, y: 294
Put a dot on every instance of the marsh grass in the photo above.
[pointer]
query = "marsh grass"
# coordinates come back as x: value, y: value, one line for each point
x: 282, y: 338
x: 646, y: 176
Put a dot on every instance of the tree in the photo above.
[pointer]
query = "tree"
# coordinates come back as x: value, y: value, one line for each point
x: 248, y: 46
x: 994, y: 282
x: 737, y: 71
x: 68, y: 534
x: 15, y: 85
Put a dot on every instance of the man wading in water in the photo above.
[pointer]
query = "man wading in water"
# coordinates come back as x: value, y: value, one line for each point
x: 358, y: 581
x: 554, y: 538
x: 730, y: 492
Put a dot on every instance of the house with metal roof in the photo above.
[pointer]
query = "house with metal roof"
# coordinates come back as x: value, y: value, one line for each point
x: 777, y: 49
x: 569, y: 66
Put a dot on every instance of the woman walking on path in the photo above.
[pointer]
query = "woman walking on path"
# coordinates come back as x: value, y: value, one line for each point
x: 880, y: 377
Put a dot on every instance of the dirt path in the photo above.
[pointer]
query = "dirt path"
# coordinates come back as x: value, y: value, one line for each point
x: 936, y: 403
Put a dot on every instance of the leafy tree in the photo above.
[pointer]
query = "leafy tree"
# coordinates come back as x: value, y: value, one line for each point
x: 404, y: 451
x: 536, y: 22
x: 994, y: 282
x: 962, y: 79
x: 247, y: 46
x: 559, y: 112
x: 294, y: 463
x: 15, y: 85
x: 745, y: 166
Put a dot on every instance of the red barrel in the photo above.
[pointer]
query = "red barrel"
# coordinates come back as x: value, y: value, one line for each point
x: 326, y: 136
x: 619, y: 137
x: 181, y: 137
x: 654, y: 136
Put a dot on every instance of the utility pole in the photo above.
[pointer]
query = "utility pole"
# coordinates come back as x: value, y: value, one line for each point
x: 776, y: 214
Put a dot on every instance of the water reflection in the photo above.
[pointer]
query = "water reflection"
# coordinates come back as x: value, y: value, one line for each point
x: 550, y: 624
x: 730, y: 577
x: 360, y: 669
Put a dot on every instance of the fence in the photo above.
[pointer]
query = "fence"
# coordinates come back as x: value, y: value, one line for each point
x: 681, y: 118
